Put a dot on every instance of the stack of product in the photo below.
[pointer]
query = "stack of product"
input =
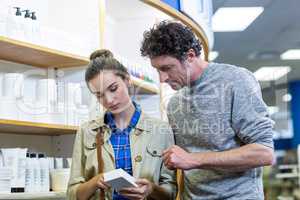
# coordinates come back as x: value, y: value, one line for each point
x: 44, y: 106
x: 142, y: 71
x: 30, y: 172
x: 5, y: 176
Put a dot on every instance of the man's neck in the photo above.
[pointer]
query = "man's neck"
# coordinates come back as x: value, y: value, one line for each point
x: 198, y: 69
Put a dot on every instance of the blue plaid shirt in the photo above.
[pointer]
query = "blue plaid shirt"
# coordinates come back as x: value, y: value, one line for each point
x: 121, y: 143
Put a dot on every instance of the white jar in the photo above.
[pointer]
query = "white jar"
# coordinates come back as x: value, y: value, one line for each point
x: 73, y: 100
x: 13, y: 84
x: 12, y: 92
x: 1, y: 85
x: 46, y: 91
x: 59, y: 179
x: 48, y: 110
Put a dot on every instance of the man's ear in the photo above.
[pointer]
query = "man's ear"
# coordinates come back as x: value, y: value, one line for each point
x: 191, y: 55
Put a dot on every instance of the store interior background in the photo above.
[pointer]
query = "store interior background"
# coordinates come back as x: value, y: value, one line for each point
x: 262, y: 43
x: 271, y: 34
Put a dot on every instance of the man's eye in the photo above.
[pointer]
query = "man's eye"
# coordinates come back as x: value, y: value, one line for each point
x: 164, y: 69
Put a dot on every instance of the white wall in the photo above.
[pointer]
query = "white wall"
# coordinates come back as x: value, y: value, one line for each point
x: 65, y: 25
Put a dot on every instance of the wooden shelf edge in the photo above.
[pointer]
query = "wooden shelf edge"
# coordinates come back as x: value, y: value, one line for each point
x: 145, y: 87
x: 35, y: 128
x: 78, y: 60
x: 39, y: 195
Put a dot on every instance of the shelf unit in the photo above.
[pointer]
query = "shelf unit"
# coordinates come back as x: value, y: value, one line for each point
x: 34, y: 128
x: 33, y: 196
x: 30, y: 54
x: 25, y: 53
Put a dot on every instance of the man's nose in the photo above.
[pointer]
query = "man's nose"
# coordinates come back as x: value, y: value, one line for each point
x: 163, y: 77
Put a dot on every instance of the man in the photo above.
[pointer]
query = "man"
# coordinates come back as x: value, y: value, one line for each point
x: 222, y: 131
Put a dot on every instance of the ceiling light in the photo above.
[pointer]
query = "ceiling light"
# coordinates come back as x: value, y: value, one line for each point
x: 213, y: 55
x: 234, y: 18
x: 271, y: 73
x: 291, y: 54
x: 287, y: 97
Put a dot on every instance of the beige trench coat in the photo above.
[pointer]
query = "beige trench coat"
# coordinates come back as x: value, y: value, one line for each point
x: 147, y: 140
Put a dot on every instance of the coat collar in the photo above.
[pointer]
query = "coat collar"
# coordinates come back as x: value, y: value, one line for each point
x: 142, y: 125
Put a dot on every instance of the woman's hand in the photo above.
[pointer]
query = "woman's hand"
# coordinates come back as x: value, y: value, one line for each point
x: 99, y: 182
x: 144, y: 189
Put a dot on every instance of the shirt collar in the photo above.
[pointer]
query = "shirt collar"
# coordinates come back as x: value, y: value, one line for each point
x: 143, y: 123
x: 109, y: 119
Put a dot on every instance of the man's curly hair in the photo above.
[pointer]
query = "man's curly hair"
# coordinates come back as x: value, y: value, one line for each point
x: 169, y: 38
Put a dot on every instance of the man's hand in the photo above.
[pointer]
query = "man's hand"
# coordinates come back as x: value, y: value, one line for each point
x: 144, y: 189
x: 177, y: 158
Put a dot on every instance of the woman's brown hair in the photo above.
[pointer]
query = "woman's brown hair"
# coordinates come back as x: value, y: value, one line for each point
x: 103, y: 59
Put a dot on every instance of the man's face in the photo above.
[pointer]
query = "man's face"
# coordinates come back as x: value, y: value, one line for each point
x: 171, y: 71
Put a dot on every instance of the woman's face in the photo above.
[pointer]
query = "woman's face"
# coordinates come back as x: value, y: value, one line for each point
x: 111, y: 91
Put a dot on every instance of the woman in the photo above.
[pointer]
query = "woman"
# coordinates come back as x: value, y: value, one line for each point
x: 123, y: 138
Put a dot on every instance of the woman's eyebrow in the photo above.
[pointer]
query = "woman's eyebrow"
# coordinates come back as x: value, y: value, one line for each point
x: 99, y: 93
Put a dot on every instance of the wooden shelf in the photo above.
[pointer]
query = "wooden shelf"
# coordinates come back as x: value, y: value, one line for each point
x: 39, y: 195
x: 33, y: 128
x: 143, y: 87
x: 30, y: 54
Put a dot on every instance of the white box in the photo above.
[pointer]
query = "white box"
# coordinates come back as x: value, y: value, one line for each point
x: 119, y: 179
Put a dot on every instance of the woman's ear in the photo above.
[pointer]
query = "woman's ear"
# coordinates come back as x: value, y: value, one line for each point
x: 128, y: 81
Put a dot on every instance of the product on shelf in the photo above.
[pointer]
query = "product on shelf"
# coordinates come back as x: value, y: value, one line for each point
x: 15, y: 158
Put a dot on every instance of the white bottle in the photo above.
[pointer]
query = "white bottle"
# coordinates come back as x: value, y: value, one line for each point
x: 36, y: 173
x: 45, y: 173
x: 14, y: 24
x: 21, y: 173
x: 29, y: 174
x: 3, y: 15
x: 27, y: 26
x: 36, y: 30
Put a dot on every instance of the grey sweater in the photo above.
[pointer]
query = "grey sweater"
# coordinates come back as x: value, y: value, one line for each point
x: 222, y: 110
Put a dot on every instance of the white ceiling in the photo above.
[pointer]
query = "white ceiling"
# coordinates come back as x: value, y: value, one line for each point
x: 273, y: 32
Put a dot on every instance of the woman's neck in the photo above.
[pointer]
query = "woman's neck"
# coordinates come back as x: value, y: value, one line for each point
x: 123, y: 118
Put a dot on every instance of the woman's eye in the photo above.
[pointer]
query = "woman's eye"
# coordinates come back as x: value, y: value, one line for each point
x: 113, y: 89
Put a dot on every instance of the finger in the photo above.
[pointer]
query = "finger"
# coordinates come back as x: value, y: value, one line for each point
x: 167, y: 156
x: 102, y: 185
x: 130, y: 190
x: 132, y: 196
x: 132, y: 193
x: 142, y: 181
x: 169, y: 164
x: 167, y: 150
